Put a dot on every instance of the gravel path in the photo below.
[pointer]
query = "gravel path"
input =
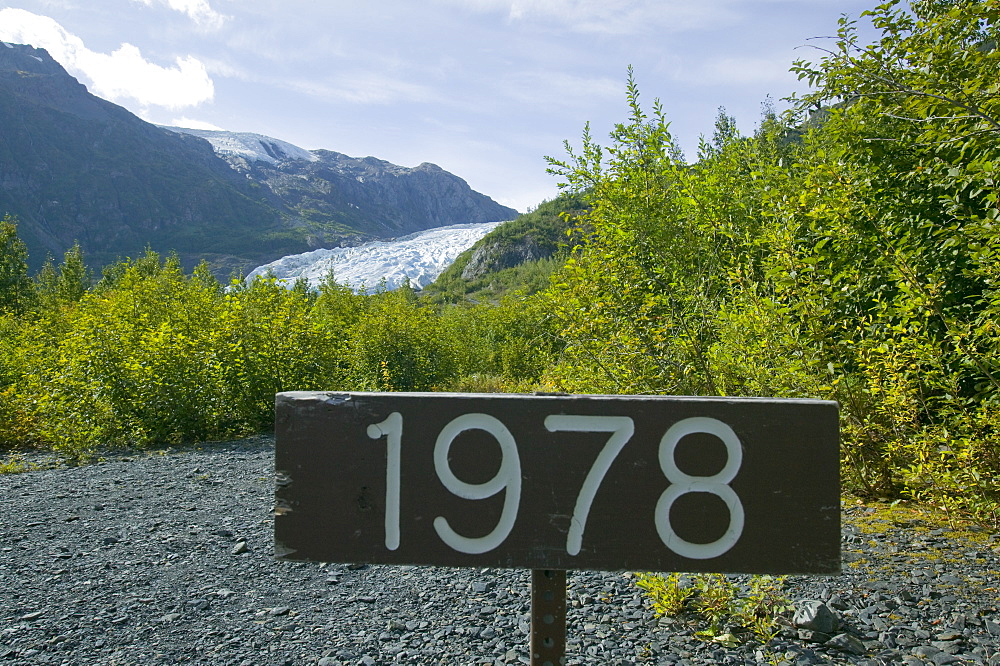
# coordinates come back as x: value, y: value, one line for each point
x: 163, y: 558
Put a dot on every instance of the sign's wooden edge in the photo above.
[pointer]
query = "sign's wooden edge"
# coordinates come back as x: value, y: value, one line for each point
x: 340, y: 396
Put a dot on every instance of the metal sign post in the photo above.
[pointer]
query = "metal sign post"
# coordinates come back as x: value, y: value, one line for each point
x: 550, y: 483
x: 548, y: 617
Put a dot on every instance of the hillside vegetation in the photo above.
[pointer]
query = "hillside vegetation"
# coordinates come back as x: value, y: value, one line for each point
x: 848, y: 255
x: 519, y: 256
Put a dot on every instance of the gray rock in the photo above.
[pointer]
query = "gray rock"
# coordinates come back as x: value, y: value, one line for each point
x: 847, y: 643
x: 810, y: 636
x: 815, y: 615
x: 926, y: 651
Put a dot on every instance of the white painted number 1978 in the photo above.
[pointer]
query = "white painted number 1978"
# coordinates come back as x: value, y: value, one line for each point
x: 508, y: 479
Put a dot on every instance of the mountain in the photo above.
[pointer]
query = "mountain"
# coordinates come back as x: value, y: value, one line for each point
x: 74, y: 167
x: 329, y: 192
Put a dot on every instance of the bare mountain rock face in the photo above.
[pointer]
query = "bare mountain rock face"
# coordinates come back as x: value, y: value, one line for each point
x: 74, y: 167
x: 497, y: 255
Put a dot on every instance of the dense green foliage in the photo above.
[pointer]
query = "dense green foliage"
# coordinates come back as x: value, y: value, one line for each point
x: 846, y: 251
x: 151, y: 354
x: 851, y: 255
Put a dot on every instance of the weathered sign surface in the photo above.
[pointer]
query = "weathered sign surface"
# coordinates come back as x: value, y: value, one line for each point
x: 648, y: 483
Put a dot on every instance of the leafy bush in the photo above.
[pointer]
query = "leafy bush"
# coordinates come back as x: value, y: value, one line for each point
x: 729, y: 614
x: 398, y: 346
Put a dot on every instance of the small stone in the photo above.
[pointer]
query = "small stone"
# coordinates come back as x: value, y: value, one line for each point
x: 951, y: 647
x: 31, y: 616
x: 926, y: 651
x: 814, y: 615
x: 810, y: 636
x: 847, y: 643
x: 835, y: 601
x: 329, y: 661
x: 280, y: 610
x: 240, y: 548
x: 170, y: 617
x: 396, y: 625
x: 992, y: 628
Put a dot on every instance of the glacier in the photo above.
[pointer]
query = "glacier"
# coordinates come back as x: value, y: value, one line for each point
x: 419, y: 257
x: 251, y: 147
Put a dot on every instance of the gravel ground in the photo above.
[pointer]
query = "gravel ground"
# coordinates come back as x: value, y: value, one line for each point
x: 165, y: 557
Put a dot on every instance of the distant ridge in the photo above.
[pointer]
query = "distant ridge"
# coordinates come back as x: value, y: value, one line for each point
x: 323, y: 188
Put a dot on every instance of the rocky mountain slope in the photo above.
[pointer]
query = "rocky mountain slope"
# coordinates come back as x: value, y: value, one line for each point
x: 74, y: 167
x: 328, y: 191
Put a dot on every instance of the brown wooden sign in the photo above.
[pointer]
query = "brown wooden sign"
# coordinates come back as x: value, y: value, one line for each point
x: 647, y: 483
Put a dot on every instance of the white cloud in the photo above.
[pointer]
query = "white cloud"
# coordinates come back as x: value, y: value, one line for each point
x: 555, y: 89
x: 366, y: 88
x: 121, y: 75
x: 198, y: 11
x: 740, y: 71
x: 615, y: 17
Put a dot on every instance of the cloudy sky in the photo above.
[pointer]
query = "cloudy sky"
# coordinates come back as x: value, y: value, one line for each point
x: 483, y: 88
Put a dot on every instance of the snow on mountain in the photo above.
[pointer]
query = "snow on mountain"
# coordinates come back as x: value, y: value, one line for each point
x: 421, y: 257
x: 251, y: 147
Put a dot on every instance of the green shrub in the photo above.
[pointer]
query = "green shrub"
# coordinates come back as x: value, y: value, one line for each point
x: 729, y: 614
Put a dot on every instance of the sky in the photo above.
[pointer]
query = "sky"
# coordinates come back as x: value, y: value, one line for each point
x: 485, y: 89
